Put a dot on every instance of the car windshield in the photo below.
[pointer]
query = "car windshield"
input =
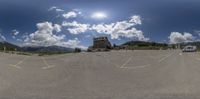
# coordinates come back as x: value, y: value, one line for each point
x: 99, y: 49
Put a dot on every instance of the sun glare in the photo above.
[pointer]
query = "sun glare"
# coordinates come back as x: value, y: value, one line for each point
x: 99, y: 15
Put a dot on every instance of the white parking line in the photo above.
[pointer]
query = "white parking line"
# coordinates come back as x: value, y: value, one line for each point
x: 137, y: 67
x: 15, y: 66
x: 123, y: 65
x: 20, y: 62
x: 47, y: 65
x: 165, y: 57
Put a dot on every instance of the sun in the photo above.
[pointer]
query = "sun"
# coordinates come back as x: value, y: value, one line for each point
x: 99, y: 15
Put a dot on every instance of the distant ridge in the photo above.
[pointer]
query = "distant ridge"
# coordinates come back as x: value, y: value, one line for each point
x: 8, y: 46
x: 144, y: 43
x: 41, y: 49
x: 37, y: 49
x: 155, y: 45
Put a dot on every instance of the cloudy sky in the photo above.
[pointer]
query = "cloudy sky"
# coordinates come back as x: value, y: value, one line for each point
x: 73, y: 23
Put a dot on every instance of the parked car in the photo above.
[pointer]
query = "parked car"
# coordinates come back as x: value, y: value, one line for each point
x: 189, y: 48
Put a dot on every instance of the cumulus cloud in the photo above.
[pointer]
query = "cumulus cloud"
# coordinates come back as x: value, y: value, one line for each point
x: 71, y: 14
x: 115, y: 30
x: 122, y: 29
x: 46, y: 36
x: 75, y: 27
x: 72, y: 43
x: 177, y: 37
x: 57, y: 28
x: 136, y: 19
x: 56, y: 9
x: 52, y: 8
x: 103, y: 28
x: 15, y: 32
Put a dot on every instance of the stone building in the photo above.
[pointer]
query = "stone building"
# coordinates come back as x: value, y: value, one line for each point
x: 100, y: 44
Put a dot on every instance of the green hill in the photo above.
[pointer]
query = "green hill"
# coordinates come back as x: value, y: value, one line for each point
x: 145, y: 45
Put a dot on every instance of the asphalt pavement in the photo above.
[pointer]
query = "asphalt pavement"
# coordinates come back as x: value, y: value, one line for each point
x: 139, y: 74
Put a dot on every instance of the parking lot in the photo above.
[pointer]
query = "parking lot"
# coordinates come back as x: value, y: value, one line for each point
x: 139, y: 74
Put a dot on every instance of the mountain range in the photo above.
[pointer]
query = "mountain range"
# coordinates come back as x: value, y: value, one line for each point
x: 58, y: 49
x: 39, y: 49
x: 42, y: 49
x: 155, y: 45
x: 8, y: 46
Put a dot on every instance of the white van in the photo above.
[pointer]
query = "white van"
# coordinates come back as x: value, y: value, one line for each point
x: 189, y: 48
